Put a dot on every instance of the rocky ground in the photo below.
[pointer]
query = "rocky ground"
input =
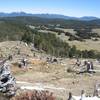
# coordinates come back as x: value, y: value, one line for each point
x: 41, y: 75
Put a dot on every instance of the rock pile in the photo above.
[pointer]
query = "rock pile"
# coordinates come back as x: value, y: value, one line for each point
x: 7, y: 81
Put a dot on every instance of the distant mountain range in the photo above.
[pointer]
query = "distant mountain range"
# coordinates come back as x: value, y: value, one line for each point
x: 50, y: 16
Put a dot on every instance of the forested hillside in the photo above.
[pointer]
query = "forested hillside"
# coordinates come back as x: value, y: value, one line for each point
x: 16, y: 28
x: 46, y: 21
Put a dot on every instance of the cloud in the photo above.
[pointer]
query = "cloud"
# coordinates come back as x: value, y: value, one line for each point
x: 34, y: 10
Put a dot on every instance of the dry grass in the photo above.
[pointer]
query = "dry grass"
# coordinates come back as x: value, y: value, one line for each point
x: 87, y: 45
x: 57, y: 75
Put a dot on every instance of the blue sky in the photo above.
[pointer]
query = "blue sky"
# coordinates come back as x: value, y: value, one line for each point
x: 75, y: 8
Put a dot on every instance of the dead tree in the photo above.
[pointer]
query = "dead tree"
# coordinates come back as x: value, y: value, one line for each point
x: 7, y: 81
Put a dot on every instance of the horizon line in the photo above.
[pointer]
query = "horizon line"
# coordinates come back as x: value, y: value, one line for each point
x: 48, y: 14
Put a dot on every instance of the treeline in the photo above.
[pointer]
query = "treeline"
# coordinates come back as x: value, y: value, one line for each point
x: 11, y: 31
x: 86, y: 33
x: 14, y: 27
x: 47, y: 42
x: 73, y: 52
x: 52, y: 45
x: 80, y: 34
x: 36, y: 21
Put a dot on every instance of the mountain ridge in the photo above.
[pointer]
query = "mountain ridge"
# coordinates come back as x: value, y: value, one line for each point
x: 49, y: 16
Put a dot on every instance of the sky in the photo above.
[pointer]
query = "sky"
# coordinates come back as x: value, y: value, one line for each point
x: 75, y: 8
